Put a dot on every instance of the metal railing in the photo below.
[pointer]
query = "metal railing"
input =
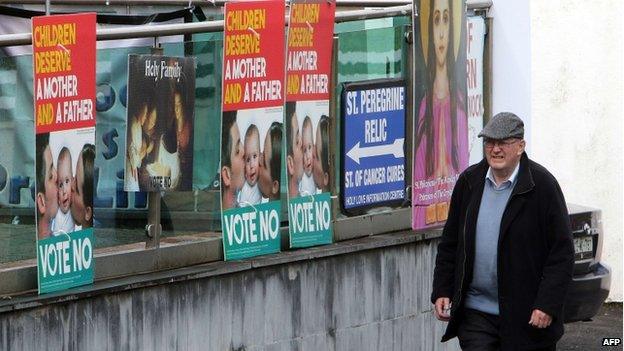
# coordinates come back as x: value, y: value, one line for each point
x: 472, y: 4
x: 340, y: 3
x: 135, y: 259
x: 163, y: 30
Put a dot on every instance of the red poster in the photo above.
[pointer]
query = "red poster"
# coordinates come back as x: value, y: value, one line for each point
x: 308, y: 63
x: 253, y: 62
x: 251, y: 127
x: 309, y: 166
x: 64, y: 101
x: 64, y: 72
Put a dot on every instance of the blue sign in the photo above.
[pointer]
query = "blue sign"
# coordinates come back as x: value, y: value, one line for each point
x: 373, y: 150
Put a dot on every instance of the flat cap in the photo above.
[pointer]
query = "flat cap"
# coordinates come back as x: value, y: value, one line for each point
x: 503, y: 125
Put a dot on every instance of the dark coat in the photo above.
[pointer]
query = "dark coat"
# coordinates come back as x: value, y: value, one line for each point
x: 535, y: 254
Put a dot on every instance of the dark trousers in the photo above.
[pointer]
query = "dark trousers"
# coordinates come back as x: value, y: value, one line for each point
x: 478, y: 331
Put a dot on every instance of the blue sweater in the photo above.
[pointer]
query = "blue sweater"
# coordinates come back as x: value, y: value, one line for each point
x: 482, y: 293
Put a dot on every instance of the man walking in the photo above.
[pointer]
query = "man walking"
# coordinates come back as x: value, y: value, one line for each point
x: 506, y: 257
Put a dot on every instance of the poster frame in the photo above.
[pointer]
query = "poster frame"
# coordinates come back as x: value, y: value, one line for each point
x: 81, y: 239
x: 235, y: 107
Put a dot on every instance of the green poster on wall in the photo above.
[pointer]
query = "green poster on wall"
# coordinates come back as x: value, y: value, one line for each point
x: 310, y: 220
x: 251, y: 231
x: 65, y: 261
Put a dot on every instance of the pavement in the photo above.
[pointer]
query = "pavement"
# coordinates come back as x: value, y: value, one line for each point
x: 589, y: 335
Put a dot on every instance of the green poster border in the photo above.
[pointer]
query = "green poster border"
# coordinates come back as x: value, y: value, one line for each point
x: 316, y: 238
x: 248, y: 250
x: 68, y: 280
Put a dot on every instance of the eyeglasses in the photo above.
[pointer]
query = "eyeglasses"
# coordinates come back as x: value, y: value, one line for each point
x: 490, y: 143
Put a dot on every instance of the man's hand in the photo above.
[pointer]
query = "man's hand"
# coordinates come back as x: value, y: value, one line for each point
x: 540, y: 319
x: 442, y: 309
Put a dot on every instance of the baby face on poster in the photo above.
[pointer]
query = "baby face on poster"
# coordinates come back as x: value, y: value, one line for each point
x: 70, y: 149
x: 313, y: 122
x: 256, y: 126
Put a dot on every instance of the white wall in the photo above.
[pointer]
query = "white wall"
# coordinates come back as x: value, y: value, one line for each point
x: 577, y: 115
x: 511, y: 57
x: 558, y: 64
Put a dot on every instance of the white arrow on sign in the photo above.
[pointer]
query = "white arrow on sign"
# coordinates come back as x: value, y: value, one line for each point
x: 395, y: 149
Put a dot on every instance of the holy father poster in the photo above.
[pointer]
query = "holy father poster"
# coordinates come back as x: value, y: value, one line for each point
x: 159, y: 135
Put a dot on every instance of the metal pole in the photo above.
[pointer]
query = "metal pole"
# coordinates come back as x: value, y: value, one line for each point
x: 218, y: 3
x: 47, y: 7
x: 334, y: 128
x: 409, y: 107
x: 153, y: 227
x: 488, y: 48
x: 163, y: 30
x: 471, y: 4
x: 358, y: 15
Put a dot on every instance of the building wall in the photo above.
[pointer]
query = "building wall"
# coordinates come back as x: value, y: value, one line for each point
x: 576, y: 108
x: 511, y: 59
x: 368, y: 300
x: 558, y: 65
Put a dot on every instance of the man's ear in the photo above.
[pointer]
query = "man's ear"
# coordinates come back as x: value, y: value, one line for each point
x: 290, y: 164
x: 275, y: 187
x: 41, y: 203
x: 226, y: 177
x: 522, y: 147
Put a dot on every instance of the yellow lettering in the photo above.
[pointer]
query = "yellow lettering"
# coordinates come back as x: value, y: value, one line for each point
x: 305, y: 13
x: 242, y: 44
x: 244, y: 19
x: 232, y: 93
x: 55, y: 34
x: 45, y: 114
x: 300, y: 37
x: 292, y: 84
x: 53, y: 61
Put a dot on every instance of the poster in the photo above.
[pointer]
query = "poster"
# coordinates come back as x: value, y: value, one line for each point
x: 159, y: 134
x: 441, y: 125
x: 309, y: 164
x: 474, y: 76
x: 17, y: 181
x: 64, y: 113
x: 251, y: 127
x: 373, y: 152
